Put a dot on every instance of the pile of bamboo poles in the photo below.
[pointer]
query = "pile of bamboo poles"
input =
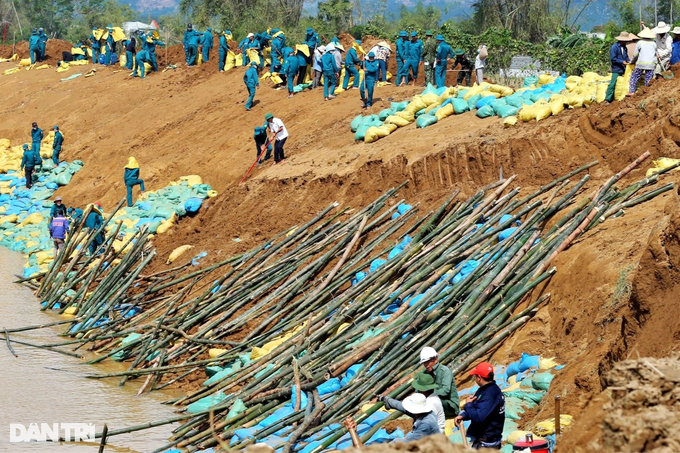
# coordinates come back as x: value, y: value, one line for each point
x: 455, y: 286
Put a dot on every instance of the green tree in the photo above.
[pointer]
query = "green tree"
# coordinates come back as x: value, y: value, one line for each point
x: 627, y: 13
x: 336, y: 13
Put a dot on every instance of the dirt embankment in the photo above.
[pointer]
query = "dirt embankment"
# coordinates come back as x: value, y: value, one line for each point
x: 615, y: 288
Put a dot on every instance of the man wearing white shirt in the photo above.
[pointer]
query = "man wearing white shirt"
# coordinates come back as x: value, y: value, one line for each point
x: 279, y: 131
x: 424, y: 383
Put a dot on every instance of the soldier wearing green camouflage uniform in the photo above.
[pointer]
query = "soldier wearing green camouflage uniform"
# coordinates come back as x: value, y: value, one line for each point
x: 429, y: 57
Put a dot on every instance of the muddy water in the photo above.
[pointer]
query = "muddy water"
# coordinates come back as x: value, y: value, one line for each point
x: 46, y: 387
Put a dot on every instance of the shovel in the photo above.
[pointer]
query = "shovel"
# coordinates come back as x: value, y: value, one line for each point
x: 262, y: 152
x: 665, y: 74
x: 461, y: 426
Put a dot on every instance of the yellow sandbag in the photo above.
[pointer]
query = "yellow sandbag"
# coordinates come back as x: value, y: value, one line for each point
x: 510, y: 121
x: 178, y: 252
x: 416, y: 105
x: 390, y: 127
x: 574, y: 79
x: 276, y: 79
x: 44, y: 257
x: 118, y: 34
x: 432, y: 106
x: 238, y: 60
x: 443, y: 112
x: 547, y: 427
x: 254, y: 56
x: 148, y: 67
x: 542, y: 112
x: 192, y: 180
x: 32, y: 219
x: 556, y: 106
x: 371, y: 135
x: 658, y: 165
x: 79, y: 63
x: 623, y: 84
x: 449, y: 427
x: 520, y: 435
x: 575, y: 100
x: 123, y: 59
x: 476, y: 89
x: 215, y: 352
x: 267, y: 348
x: 199, y: 60
x: 231, y: 61
x: 43, y: 66
x: 9, y: 218
x: 397, y: 120
x: 4, y: 143
x: 527, y: 113
x: 72, y: 310
x: 63, y: 67
x: 384, y: 130
x: 211, y: 193
x: 590, y: 77
x: 513, y: 387
x: 487, y: 93
x: 601, y: 93
x: 546, y: 363
x: 25, y: 62
x: 545, y: 79
x: 405, y: 114
x: 430, y: 98
x: 163, y: 227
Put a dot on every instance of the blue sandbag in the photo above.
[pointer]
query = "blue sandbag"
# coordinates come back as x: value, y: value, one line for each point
x: 376, y: 417
x: 528, y: 81
x: 358, y: 277
x: 513, y: 369
x: 472, y: 101
x: 376, y: 263
x: 486, y: 100
x: 349, y: 374
x: 528, y: 361
x: 404, y: 208
x: 503, y: 235
x: 275, y: 416
x: 464, y: 271
x: 426, y: 120
x: 394, y: 252
x: 206, y: 403
x: 485, y: 111
x: 303, y: 398
x: 193, y: 205
x: 460, y: 106
x: 330, y: 386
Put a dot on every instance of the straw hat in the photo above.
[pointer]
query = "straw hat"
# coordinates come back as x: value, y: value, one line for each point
x: 633, y: 36
x: 340, y: 47
x: 676, y: 31
x: 661, y: 28
x: 646, y: 33
x: 417, y: 404
x: 383, y: 44
x: 624, y: 36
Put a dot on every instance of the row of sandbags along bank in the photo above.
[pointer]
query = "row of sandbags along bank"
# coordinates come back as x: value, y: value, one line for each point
x: 25, y: 213
x: 540, y: 98
x: 284, y: 341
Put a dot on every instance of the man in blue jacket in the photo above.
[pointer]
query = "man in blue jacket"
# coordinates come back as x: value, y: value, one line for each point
x: 251, y: 79
x: 444, y: 52
x: 130, y: 46
x: 486, y: 410
x: 277, y: 55
x: 58, y: 231
x: 96, y: 45
x: 290, y: 69
x: 185, y: 41
x: 370, y: 78
x: 36, y: 138
x: 619, y: 58
x: 27, y: 164
x: 93, y: 221
x: 193, y: 40
x: 329, y: 70
x: 110, y: 44
x: 351, y: 62
x: 151, y: 43
x: 141, y: 58
x: 34, y: 46
x: 56, y: 145
x: 43, y: 43
x: 402, y: 55
x: 223, y: 50
x: 415, y: 57
x: 207, y: 43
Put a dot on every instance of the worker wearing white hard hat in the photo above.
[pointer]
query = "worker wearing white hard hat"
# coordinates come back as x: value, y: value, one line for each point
x: 443, y: 377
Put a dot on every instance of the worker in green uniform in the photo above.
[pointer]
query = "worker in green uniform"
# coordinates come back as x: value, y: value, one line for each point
x: 110, y: 44
x: 443, y: 377
x: 93, y: 221
x: 330, y: 69
x: 131, y: 178
x: 96, y: 45
x: 27, y: 165
x: 36, y: 138
x: 56, y: 145
x: 370, y: 78
x: 444, y: 52
x: 223, y: 50
x: 141, y: 58
x: 207, y: 43
x: 351, y: 62
x: 34, y: 46
x: 291, y: 66
x: 429, y: 57
x: 252, y: 81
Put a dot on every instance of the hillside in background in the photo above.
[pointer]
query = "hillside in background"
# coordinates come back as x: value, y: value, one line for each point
x: 597, y: 13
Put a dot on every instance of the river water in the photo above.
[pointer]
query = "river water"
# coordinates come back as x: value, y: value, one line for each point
x: 46, y: 387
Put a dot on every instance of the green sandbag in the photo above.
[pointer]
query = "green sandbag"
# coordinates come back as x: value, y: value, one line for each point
x: 426, y: 120
x: 164, y: 211
x: 64, y: 178
x: 429, y: 90
x: 361, y: 133
x: 545, y: 95
x: 356, y: 122
x: 472, y: 102
x: 505, y: 111
x: 515, y: 407
x: 529, y: 395
x: 528, y: 81
x: 399, y: 106
x: 515, y: 100
x: 460, y: 105
x: 541, y: 381
x: 384, y: 114
x: 420, y: 112
x: 485, y: 112
x: 237, y: 408
x: 461, y: 93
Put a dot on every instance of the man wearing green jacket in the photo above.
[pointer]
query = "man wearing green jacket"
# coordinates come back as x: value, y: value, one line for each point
x: 429, y: 57
x: 56, y: 145
x: 443, y: 378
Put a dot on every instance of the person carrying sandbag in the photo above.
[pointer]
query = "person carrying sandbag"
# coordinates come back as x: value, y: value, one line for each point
x: 131, y: 178
x: 142, y: 57
x: 223, y: 50
x: 619, y: 58
x: 644, y: 59
x: 28, y: 164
